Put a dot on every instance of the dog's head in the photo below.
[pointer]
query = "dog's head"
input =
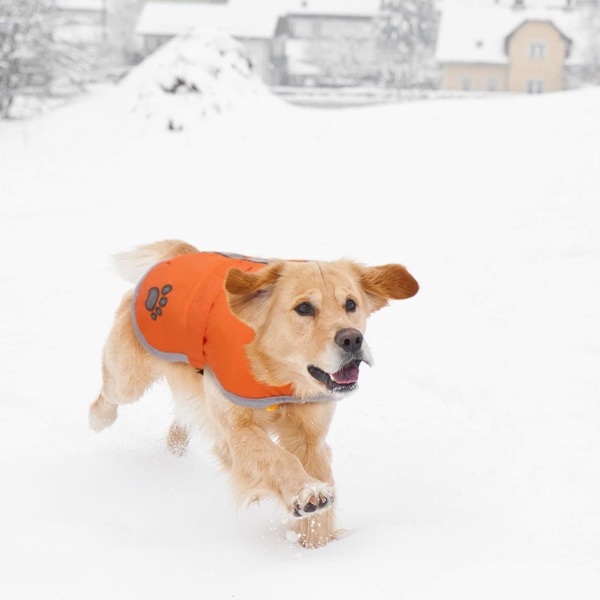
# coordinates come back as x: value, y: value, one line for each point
x: 309, y: 319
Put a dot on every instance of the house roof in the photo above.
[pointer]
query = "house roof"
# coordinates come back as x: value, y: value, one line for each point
x: 478, y: 35
x: 474, y: 35
x: 239, y: 18
x: 81, y: 5
x: 354, y: 8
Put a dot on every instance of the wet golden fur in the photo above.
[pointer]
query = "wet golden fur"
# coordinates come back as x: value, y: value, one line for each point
x: 296, y: 468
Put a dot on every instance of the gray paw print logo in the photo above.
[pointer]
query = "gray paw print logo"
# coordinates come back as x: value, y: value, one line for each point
x: 157, y: 300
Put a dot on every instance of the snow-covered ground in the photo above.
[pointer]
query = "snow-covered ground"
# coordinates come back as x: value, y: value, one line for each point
x: 467, y: 465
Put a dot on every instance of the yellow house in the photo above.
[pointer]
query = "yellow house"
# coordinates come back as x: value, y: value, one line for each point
x: 502, y: 50
x: 537, y: 51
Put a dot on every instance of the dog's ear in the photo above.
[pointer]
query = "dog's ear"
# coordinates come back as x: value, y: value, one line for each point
x: 387, y: 282
x: 249, y: 293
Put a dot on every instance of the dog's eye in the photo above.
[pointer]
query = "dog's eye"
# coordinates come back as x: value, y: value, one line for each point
x: 350, y: 305
x: 305, y: 309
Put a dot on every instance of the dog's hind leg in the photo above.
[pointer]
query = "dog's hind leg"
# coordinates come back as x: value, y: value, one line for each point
x: 127, y: 370
x: 187, y: 390
x: 102, y: 412
x: 178, y: 439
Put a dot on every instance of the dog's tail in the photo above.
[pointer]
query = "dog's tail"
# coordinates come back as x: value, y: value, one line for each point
x: 132, y: 265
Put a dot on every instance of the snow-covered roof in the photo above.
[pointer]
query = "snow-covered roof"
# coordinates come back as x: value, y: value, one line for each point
x: 478, y: 34
x: 366, y: 8
x: 91, y: 5
x: 240, y: 18
x: 474, y: 35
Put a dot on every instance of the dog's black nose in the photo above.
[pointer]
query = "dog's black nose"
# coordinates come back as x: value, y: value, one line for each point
x: 349, y: 339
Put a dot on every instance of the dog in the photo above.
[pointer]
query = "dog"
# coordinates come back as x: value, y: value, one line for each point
x: 256, y: 353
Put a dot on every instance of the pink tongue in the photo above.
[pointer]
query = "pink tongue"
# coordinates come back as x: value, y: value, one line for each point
x: 347, y: 374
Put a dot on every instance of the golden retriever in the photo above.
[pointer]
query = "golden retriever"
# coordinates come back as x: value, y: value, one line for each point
x: 306, y: 321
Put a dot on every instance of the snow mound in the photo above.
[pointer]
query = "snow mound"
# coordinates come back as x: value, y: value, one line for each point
x: 195, y: 75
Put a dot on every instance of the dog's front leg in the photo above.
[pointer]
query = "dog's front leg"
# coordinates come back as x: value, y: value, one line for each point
x: 301, y: 429
x: 262, y: 468
x: 259, y: 467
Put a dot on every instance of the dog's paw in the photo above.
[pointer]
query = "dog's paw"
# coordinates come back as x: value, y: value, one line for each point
x: 102, y: 414
x: 177, y: 441
x: 311, y: 498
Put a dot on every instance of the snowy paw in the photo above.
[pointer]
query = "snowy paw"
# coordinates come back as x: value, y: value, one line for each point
x: 312, y: 497
x: 102, y: 414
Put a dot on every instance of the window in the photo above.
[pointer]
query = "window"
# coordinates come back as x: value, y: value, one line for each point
x: 316, y: 30
x: 465, y: 84
x: 537, y: 50
x: 535, y: 86
x: 492, y: 84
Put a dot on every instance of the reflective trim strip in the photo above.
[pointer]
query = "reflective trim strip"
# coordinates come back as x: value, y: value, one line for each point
x: 265, y: 402
x: 235, y: 256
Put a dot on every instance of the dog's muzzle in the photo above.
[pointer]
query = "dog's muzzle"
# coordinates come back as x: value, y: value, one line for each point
x: 346, y: 378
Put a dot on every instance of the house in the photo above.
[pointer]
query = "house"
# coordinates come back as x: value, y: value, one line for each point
x: 82, y: 21
x: 289, y: 41
x: 325, y: 42
x: 499, y: 48
x: 101, y: 29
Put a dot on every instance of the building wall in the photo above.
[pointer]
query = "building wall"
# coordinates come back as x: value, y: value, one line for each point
x: 537, y: 54
x: 477, y: 78
x: 314, y: 27
x: 259, y: 51
x: 323, y: 50
x: 154, y: 42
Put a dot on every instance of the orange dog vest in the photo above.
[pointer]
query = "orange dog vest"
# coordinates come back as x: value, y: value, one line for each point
x: 180, y: 314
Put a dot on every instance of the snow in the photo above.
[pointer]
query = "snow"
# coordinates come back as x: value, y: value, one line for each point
x: 191, y: 77
x: 467, y: 464
x: 83, y: 5
x: 357, y: 8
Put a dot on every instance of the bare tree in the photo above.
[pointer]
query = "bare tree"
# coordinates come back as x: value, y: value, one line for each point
x: 406, y: 32
x: 344, y: 59
x: 591, y: 41
x: 32, y: 56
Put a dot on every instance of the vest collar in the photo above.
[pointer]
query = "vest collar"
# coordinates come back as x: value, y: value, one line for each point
x: 271, y: 402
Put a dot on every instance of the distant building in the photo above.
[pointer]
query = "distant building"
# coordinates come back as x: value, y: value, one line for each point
x: 83, y: 21
x: 500, y: 48
x: 325, y: 43
x: 285, y: 39
x: 101, y: 28
x: 251, y: 24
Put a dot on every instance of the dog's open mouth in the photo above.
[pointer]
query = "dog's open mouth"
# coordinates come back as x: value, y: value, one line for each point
x: 344, y: 380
